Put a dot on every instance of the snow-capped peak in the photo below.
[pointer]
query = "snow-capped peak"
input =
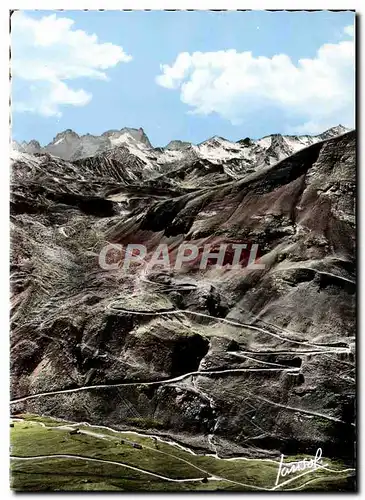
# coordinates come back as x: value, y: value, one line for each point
x: 128, y: 134
x: 236, y: 157
x: 66, y: 134
x: 334, y: 131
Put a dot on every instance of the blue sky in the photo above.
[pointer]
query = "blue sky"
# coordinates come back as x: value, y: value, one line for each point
x: 221, y: 91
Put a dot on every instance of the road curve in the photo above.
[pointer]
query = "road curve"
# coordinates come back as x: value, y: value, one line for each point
x: 110, y: 462
x: 238, y: 324
x: 155, y: 382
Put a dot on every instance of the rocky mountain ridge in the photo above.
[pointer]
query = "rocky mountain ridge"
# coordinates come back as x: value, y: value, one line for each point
x: 237, y: 157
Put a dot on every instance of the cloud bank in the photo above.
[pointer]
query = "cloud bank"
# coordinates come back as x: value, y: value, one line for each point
x: 47, y: 53
x: 314, y: 93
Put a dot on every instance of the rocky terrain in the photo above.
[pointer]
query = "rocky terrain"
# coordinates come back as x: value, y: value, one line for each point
x: 232, y: 362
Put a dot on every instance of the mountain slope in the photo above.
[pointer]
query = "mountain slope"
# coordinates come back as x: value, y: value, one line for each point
x: 245, y: 361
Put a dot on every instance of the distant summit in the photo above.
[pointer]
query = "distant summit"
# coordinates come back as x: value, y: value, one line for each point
x: 334, y: 131
x: 70, y: 146
x: 178, y: 145
x: 138, y: 134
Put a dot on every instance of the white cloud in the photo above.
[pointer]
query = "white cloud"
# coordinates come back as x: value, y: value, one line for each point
x: 47, y: 52
x: 317, y: 92
x: 349, y: 30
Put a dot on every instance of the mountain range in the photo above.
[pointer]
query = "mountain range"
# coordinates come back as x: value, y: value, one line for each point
x: 237, y: 157
x: 249, y: 363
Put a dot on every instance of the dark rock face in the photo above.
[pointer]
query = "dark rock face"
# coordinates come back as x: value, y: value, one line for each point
x: 260, y: 359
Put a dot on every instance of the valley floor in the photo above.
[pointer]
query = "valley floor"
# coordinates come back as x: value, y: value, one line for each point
x: 53, y: 455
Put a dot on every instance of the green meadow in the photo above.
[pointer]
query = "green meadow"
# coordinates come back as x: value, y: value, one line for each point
x: 71, y: 457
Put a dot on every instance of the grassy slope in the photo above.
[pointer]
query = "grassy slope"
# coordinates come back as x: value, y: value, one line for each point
x: 29, y: 438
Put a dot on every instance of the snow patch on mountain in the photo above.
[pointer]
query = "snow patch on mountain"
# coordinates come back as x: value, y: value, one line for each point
x: 237, y: 158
